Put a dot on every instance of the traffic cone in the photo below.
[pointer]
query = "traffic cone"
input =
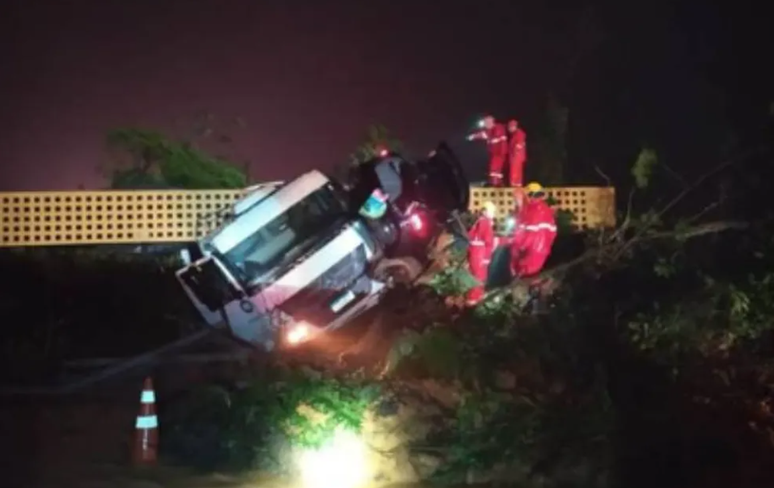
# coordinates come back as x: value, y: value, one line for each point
x: 146, y: 439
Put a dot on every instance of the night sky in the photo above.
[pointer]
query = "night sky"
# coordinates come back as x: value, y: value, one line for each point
x: 308, y: 80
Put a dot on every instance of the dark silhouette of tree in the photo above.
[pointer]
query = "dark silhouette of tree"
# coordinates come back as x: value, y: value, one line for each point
x: 377, y: 137
x: 548, y: 157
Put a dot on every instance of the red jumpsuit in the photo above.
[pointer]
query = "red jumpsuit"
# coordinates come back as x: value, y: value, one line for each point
x: 497, y: 143
x: 533, y: 239
x: 482, y: 242
x: 517, y: 156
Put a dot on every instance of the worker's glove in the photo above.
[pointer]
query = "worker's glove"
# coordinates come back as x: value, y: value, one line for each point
x: 477, y: 135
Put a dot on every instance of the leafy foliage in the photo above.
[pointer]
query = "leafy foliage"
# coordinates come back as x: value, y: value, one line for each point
x: 455, y: 278
x: 259, y: 426
x: 377, y: 137
x: 146, y: 158
x: 643, y: 167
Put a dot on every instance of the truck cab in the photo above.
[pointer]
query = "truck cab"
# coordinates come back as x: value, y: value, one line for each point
x: 297, y: 259
x: 292, y: 262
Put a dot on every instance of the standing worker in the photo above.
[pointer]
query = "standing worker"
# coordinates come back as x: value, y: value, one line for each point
x: 535, y: 233
x: 497, y: 143
x: 482, y: 244
x: 517, y: 153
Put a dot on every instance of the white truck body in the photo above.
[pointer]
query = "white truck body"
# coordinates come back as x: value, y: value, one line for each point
x: 291, y: 262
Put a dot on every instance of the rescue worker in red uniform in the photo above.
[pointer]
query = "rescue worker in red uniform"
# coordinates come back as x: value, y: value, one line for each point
x: 517, y: 153
x: 482, y: 244
x: 496, y: 139
x: 535, y: 233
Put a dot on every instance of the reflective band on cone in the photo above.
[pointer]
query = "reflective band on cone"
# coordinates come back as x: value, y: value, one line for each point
x: 146, y: 422
x: 148, y: 396
x: 146, y: 439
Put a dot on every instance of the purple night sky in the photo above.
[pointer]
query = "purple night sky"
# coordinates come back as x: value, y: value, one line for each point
x: 307, y: 81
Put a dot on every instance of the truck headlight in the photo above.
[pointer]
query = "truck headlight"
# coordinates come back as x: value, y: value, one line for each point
x: 298, y: 332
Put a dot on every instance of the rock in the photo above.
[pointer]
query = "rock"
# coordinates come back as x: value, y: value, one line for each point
x: 505, y: 380
x: 446, y: 395
x: 425, y: 464
x: 389, y: 438
x: 455, y: 302
x: 311, y: 372
x: 388, y: 408
x: 478, y: 477
x: 393, y: 468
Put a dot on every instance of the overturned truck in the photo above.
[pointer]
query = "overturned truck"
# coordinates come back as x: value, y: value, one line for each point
x: 297, y: 259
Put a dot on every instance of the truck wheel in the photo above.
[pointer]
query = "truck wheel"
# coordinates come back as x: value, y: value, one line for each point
x: 402, y: 271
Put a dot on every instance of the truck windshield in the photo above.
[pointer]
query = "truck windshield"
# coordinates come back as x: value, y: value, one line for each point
x: 287, y: 237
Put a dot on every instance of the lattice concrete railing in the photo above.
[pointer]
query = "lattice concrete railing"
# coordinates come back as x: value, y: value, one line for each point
x: 592, y: 207
x: 109, y: 217
x: 158, y: 216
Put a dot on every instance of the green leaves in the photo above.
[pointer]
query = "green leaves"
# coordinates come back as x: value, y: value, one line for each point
x: 455, y: 279
x: 144, y: 158
x: 643, y: 167
x: 377, y: 137
x: 251, y: 428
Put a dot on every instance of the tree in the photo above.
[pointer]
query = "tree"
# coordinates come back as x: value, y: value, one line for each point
x: 377, y: 137
x: 145, y: 158
x: 550, y: 143
x: 214, y: 135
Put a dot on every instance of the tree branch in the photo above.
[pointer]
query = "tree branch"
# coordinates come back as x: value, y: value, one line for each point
x: 700, y: 181
x: 603, y: 175
x: 616, y: 249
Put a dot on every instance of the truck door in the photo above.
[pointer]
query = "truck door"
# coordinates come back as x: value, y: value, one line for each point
x: 219, y: 298
x: 443, y: 182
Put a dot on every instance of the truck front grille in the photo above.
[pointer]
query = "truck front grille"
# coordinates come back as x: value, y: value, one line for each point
x: 313, y: 303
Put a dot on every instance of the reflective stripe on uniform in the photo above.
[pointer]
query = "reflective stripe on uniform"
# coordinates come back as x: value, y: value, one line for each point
x: 496, y: 140
x: 535, y: 228
x: 495, y: 174
x: 146, y: 422
x: 476, y: 243
x: 148, y: 396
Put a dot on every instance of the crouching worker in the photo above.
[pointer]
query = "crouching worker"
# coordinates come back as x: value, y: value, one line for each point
x: 375, y: 206
x: 534, y: 234
x: 482, y: 243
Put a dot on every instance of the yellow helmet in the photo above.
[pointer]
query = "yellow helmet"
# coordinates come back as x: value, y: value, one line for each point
x: 490, y: 207
x: 535, y: 189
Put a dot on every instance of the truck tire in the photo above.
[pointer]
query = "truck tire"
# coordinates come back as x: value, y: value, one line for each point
x: 403, y: 270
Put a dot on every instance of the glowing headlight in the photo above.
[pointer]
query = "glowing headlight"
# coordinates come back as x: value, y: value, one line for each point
x: 340, y: 463
x: 298, y: 333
